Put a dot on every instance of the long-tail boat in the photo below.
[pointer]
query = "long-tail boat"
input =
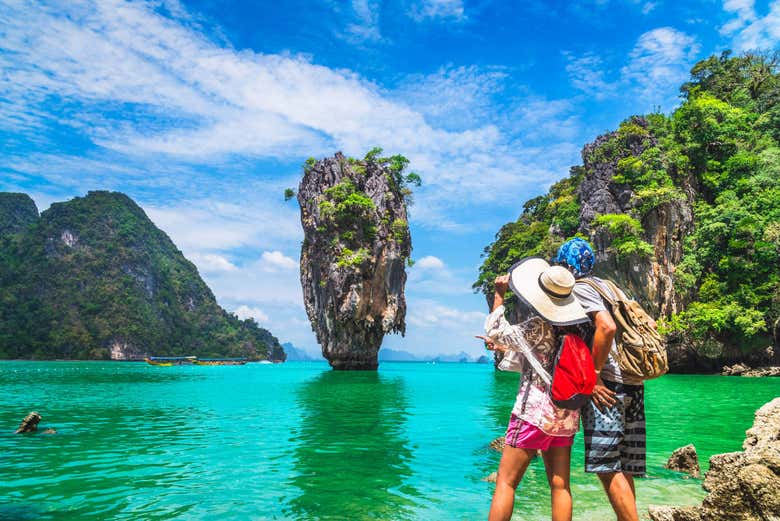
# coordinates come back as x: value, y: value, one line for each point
x: 221, y: 361
x: 167, y: 361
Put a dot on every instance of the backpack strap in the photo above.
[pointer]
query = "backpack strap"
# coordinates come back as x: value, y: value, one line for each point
x: 527, y: 379
x: 597, y: 287
x: 620, y: 295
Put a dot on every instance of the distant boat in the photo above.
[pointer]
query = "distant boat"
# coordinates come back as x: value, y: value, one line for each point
x: 220, y: 361
x: 168, y: 361
x: 265, y: 362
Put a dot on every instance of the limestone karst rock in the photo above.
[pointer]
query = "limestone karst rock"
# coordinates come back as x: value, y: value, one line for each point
x: 354, y: 253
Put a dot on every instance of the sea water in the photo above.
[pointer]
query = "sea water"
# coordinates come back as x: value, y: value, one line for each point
x: 299, y: 441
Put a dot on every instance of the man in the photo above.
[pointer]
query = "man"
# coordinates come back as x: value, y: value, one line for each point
x: 614, y: 421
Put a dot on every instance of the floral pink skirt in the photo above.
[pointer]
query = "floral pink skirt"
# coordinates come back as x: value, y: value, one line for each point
x: 523, y: 435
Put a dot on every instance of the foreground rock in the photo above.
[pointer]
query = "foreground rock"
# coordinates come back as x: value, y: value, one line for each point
x: 30, y: 423
x: 742, y: 486
x: 685, y: 460
x: 356, y: 244
x: 498, y: 444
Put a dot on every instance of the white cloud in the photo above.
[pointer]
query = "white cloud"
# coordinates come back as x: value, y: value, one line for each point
x: 244, y: 312
x: 432, y: 277
x: 587, y: 73
x: 208, y: 224
x: 211, y: 262
x: 195, y: 101
x: 429, y: 262
x: 276, y: 260
x: 648, y: 6
x: 454, y: 97
x: 748, y: 30
x: 429, y: 313
x: 437, y: 9
x: 659, y: 62
x: 366, y: 24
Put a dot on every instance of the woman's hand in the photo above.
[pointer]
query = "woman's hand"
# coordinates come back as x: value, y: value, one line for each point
x: 501, y: 283
x: 490, y: 345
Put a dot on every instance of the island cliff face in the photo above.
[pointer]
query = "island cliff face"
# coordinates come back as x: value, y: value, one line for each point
x: 353, y: 256
x: 683, y: 211
x: 94, y: 278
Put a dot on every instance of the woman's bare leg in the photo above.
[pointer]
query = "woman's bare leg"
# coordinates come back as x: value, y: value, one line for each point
x: 514, y: 463
x: 557, y: 463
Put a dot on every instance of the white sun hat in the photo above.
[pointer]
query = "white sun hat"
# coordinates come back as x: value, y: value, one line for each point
x: 547, y: 289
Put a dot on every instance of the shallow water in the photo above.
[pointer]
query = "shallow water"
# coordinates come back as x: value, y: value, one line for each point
x: 298, y: 441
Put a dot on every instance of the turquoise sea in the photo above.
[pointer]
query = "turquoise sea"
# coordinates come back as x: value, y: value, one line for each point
x: 298, y: 441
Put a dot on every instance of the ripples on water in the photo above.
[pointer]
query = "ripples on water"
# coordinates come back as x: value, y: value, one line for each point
x: 298, y: 441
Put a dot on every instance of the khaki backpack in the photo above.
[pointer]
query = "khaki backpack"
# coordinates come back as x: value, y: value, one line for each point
x: 641, y: 350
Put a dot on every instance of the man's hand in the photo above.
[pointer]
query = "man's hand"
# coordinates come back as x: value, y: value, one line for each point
x: 490, y: 345
x: 602, y: 397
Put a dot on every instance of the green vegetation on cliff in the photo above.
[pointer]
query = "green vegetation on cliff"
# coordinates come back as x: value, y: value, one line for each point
x: 349, y: 215
x: 719, y: 151
x: 94, y: 274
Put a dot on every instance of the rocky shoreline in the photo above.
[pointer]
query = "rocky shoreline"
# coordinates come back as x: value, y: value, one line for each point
x: 741, y: 486
x: 745, y: 370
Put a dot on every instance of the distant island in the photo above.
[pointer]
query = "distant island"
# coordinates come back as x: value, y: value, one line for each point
x: 94, y: 278
x: 298, y: 354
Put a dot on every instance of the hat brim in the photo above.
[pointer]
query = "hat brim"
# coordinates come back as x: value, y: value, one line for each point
x: 524, y: 282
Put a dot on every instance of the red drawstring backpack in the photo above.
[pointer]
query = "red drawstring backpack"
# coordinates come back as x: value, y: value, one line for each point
x: 574, y: 375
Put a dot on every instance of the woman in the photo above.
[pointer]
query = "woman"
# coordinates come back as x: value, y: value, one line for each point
x: 536, y: 424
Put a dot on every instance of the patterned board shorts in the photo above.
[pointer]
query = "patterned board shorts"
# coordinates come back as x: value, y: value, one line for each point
x: 615, y: 439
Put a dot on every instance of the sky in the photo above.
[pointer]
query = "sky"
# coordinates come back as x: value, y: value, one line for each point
x: 204, y: 111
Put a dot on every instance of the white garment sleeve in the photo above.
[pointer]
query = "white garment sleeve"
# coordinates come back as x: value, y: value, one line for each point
x: 498, y: 328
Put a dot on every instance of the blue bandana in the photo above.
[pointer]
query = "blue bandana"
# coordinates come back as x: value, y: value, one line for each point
x: 578, y: 255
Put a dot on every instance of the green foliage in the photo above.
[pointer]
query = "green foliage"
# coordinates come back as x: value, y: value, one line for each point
x: 350, y: 259
x: 349, y: 217
x: 345, y: 203
x: 289, y: 193
x: 396, y: 165
x: 719, y: 152
x: 626, y: 233
x: 400, y: 229
x: 95, y: 271
x: 372, y: 155
x: 309, y: 164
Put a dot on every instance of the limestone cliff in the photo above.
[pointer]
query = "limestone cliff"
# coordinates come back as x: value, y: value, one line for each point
x: 683, y: 211
x: 353, y: 255
x: 649, y: 278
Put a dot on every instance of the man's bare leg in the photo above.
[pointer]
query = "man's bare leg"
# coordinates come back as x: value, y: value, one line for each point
x: 557, y: 463
x: 619, y: 487
x: 514, y: 463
